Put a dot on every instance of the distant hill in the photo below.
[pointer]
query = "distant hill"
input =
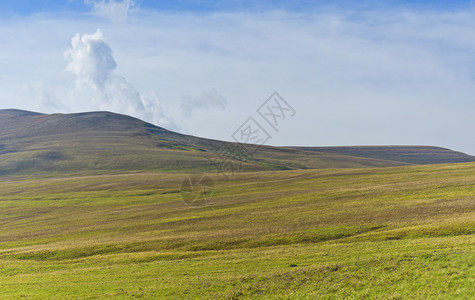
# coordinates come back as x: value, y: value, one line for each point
x: 105, y: 142
x: 405, y: 154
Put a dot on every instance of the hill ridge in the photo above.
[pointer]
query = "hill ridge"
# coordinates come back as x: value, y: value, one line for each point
x: 402, y: 153
x: 107, y: 142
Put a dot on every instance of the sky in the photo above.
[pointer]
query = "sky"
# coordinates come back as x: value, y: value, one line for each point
x: 353, y: 72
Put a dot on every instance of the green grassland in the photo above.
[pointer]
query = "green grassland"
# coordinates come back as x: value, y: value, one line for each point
x: 362, y: 233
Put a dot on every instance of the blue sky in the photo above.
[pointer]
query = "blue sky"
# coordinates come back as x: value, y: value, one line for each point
x: 371, y: 73
x: 22, y: 7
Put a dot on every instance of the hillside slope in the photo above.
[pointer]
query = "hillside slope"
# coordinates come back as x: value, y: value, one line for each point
x: 104, y: 142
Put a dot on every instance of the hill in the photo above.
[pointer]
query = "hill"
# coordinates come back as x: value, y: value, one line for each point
x: 98, y: 142
x: 406, y: 154
x: 104, y: 142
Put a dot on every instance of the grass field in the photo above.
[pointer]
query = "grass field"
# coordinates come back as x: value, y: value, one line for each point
x: 387, y: 233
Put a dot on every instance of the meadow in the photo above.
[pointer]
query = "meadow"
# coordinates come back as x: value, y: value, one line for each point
x: 371, y: 233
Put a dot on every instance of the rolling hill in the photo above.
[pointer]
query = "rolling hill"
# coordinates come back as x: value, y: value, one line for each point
x: 420, y: 155
x: 105, y: 142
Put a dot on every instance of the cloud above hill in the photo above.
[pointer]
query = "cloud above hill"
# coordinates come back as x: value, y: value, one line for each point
x: 91, y: 61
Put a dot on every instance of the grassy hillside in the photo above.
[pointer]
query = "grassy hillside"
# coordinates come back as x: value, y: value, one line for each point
x: 103, y: 142
x: 388, y: 233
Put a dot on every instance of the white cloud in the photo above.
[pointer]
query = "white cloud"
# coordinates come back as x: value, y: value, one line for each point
x: 208, y: 99
x: 91, y: 61
x: 44, y: 100
x: 116, y: 11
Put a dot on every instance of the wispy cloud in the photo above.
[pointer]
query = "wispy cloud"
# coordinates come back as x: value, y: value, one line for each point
x: 208, y: 99
x: 44, y: 100
x: 113, y: 10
